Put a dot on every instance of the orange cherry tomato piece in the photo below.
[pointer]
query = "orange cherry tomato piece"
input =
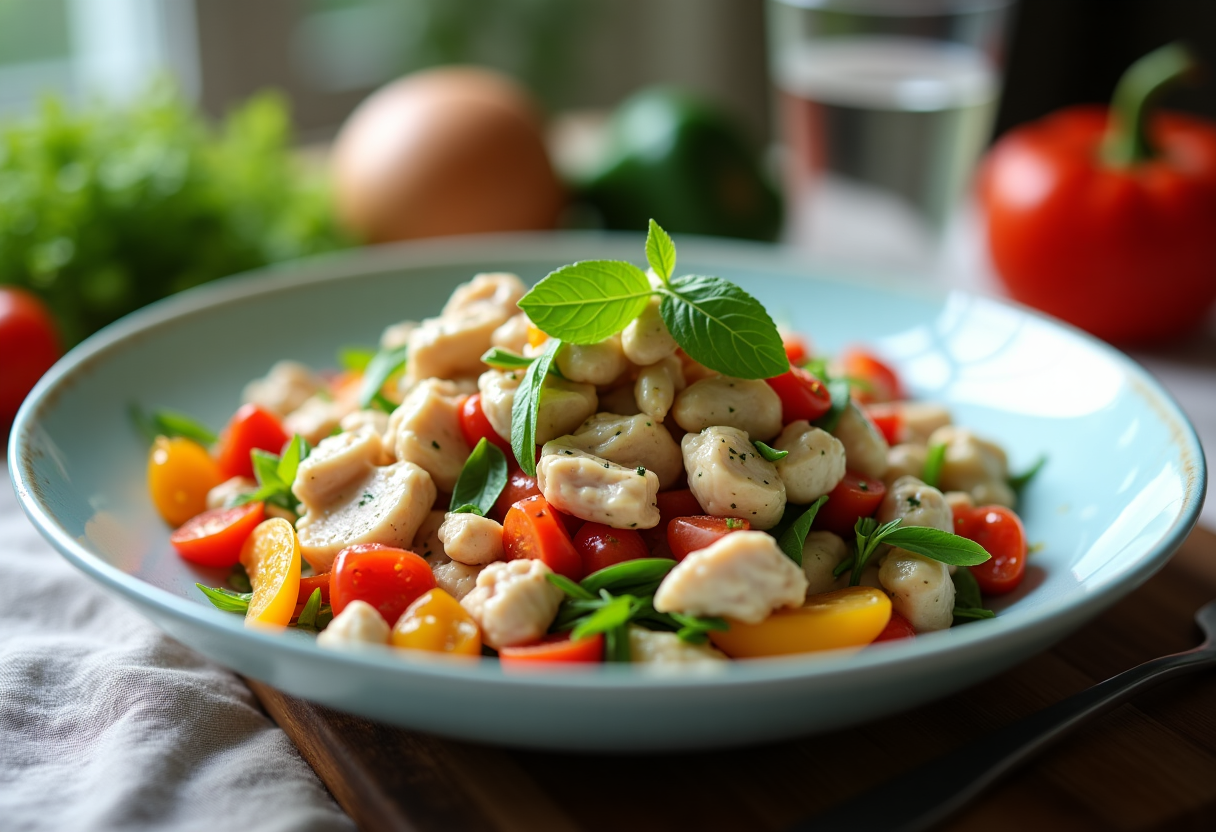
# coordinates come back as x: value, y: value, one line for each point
x: 271, y: 557
x: 688, y: 534
x: 180, y: 473
x: 435, y: 622
x: 554, y: 649
x: 1000, y: 532
x: 533, y: 530
x: 251, y: 427
x: 214, y: 538
x: 388, y: 578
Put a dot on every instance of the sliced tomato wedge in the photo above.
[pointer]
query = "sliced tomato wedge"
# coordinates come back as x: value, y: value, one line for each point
x: 532, y: 530
x: 556, y: 648
x: 802, y: 395
x: 519, y: 487
x: 856, y: 496
x: 688, y: 534
x: 898, y: 627
x: 878, y: 382
x: 214, y: 538
x: 999, y: 530
x: 252, y: 426
x: 475, y: 425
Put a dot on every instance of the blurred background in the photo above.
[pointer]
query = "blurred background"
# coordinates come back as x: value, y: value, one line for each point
x: 150, y: 145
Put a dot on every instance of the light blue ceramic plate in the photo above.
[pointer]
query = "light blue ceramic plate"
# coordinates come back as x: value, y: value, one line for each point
x: 1122, y: 488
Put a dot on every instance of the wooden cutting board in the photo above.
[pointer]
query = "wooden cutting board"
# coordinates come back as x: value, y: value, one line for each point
x: 1150, y: 764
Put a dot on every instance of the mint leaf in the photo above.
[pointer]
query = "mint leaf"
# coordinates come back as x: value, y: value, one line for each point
x: 382, y: 366
x: 1018, y: 482
x: 934, y: 460
x: 723, y: 327
x: 501, y: 359
x: 526, y: 406
x: 586, y: 302
x: 481, y: 480
x: 660, y: 251
x: 936, y: 544
x: 226, y: 599
x: 792, y: 540
x: 629, y: 576
x: 170, y: 424
x: 771, y: 454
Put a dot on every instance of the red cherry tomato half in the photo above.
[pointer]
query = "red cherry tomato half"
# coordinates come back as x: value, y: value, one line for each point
x: 519, y: 487
x: 251, y: 427
x: 532, y: 530
x: 796, y: 349
x: 856, y: 496
x: 802, y: 395
x: 688, y: 534
x: 879, y: 383
x: 599, y: 546
x: 1000, y: 532
x: 888, y: 420
x: 898, y: 627
x: 215, y: 538
x: 311, y: 584
x: 556, y: 648
x: 672, y: 504
x: 29, y: 344
x: 474, y: 425
x: 388, y: 578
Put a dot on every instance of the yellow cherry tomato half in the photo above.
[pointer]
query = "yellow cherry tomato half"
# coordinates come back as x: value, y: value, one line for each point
x: 271, y: 556
x: 180, y: 473
x: 436, y: 622
x: 850, y: 617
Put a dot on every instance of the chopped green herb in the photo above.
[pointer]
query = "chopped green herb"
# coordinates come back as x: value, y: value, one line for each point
x: 771, y: 454
x: 934, y: 460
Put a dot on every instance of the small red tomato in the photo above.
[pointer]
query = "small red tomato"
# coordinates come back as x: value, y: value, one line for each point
x: 215, y: 538
x: 599, y: 546
x: 1000, y: 532
x: 388, y: 578
x: 898, y: 627
x: 877, y: 382
x: 856, y: 496
x: 519, y: 486
x: 252, y: 426
x: 802, y: 395
x: 796, y: 349
x: 889, y: 420
x: 679, y: 502
x: 474, y: 425
x: 688, y: 534
x: 29, y: 343
x: 553, y: 649
x: 311, y: 584
x: 532, y: 530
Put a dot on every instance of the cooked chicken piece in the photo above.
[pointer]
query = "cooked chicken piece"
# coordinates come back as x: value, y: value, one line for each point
x: 425, y: 430
x: 227, y: 492
x: 974, y: 465
x: 822, y: 552
x: 375, y: 420
x: 564, y: 405
x: 865, y: 450
x: 814, y: 465
x: 452, y: 344
x: 729, y: 478
x: 358, y: 625
x: 655, y: 647
x: 916, y: 504
x: 513, y: 603
x: 426, y: 539
x: 396, y: 336
x: 657, y: 385
x: 471, y: 539
x: 747, y: 404
x: 385, y: 507
x: 646, y: 339
x: 629, y: 441
x: 513, y: 335
x: 600, y: 363
x: 453, y: 577
x: 743, y: 575
x: 285, y: 388
x: 906, y: 460
x: 317, y: 417
x: 335, y: 466
x: 920, y: 589
x: 597, y: 490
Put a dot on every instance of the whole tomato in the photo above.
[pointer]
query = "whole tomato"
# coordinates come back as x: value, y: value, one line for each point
x: 29, y: 345
x: 1104, y: 217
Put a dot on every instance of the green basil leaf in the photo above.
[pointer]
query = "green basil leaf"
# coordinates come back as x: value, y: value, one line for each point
x: 501, y: 359
x: 295, y: 453
x: 355, y: 359
x: 586, y: 302
x: 569, y: 587
x: 467, y: 508
x: 1018, y: 482
x: 170, y: 424
x: 226, y: 599
x: 526, y: 406
x: 307, y: 619
x: 934, y: 459
x: 324, y: 616
x: 792, y: 540
x: 616, y: 613
x: 238, y: 579
x: 695, y: 629
x: 938, y: 545
x: 838, y: 389
x: 966, y: 589
x: 660, y: 251
x: 972, y: 613
x: 616, y: 645
x: 266, y: 468
x: 481, y: 480
x: 619, y: 576
x: 378, y: 371
x: 771, y: 454
x: 723, y: 327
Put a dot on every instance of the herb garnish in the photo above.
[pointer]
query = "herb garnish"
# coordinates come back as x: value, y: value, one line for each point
x: 382, y: 366
x: 169, y: 423
x: 932, y: 543
x: 275, y: 475
x: 793, y: 538
x: 1018, y: 482
x: 481, y: 480
x: 501, y: 359
x: 226, y: 599
x: 934, y: 460
x: 526, y: 407
x: 968, y: 602
x: 771, y: 454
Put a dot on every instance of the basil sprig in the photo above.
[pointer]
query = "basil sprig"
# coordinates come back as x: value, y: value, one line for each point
x: 276, y: 474
x: 968, y: 602
x: 226, y: 599
x: 169, y: 423
x: 481, y: 480
x: 771, y: 454
x: 526, y: 407
x: 501, y: 359
x: 934, y: 460
x: 713, y: 320
x: 792, y: 539
x: 941, y: 546
x: 382, y: 366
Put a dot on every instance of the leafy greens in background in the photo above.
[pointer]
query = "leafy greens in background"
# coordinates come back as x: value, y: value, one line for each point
x: 107, y: 209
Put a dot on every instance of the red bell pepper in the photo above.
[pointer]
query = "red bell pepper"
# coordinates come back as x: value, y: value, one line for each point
x: 1105, y: 218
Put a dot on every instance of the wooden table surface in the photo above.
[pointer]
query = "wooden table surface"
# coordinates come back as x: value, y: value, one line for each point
x: 1150, y: 764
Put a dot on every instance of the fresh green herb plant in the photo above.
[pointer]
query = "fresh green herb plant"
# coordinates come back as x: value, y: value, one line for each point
x: 526, y: 407
x: 793, y: 538
x: 932, y: 543
x: 481, y: 480
x: 276, y: 474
